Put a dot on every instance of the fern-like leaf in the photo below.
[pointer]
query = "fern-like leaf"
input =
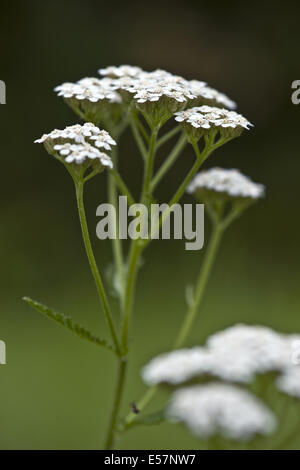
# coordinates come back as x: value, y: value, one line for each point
x: 68, y: 323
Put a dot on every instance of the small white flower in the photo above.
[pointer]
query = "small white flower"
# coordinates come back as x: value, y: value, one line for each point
x: 216, y: 117
x: 77, y: 133
x: 78, y: 153
x: 89, y: 89
x: 103, y: 139
x: 218, y: 408
x: 121, y: 71
x: 231, y: 182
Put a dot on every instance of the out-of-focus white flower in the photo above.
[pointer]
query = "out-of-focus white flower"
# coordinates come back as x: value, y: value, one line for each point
x: 231, y: 182
x: 177, y: 367
x: 263, y: 349
x: 78, y: 143
x: 78, y: 153
x: 289, y: 381
x: 121, y: 71
x: 217, y: 408
x: 204, y: 92
x: 236, y: 354
x: 200, y: 116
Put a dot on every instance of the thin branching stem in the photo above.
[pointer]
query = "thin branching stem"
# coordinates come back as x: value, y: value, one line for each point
x: 93, y: 265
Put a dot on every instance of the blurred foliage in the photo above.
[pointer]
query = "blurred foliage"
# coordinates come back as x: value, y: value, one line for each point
x: 55, y: 389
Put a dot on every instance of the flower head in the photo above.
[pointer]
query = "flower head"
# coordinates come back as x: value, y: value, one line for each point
x: 159, y: 93
x: 92, y: 98
x: 78, y: 153
x: 79, y: 144
x: 89, y: 89
x: 219, y: 408
x: 236, y: 354
x: 231, y: 183
x: 205, y: 118
x: 250, y: 350
x: 177, y: 366
x: 207, y: 95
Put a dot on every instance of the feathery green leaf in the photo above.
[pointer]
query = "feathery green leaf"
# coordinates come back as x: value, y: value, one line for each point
x: 68, y: 323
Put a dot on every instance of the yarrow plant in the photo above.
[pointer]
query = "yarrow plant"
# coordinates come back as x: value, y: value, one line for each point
x: 204, y: 382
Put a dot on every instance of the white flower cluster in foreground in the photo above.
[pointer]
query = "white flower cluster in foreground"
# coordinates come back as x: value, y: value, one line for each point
x: 236, y: 354
x: 78, y: 143
x: 231, y: 182
x: 143, y: 86
x: 207, y: 117
x: 219, y: 408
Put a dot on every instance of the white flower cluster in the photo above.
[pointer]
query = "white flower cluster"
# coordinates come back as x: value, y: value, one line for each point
x: 90, y: 89
x: 78, y: 153
x: 151, y: 86
x: 231, y: 182
x: 120, y: 71
x: 78, y: 143
x: 201, y: 90
x: 220, y: 408
x: 207, y: 117
x: 236, y: 354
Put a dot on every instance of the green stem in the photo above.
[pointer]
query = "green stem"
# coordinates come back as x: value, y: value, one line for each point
x: 133, y: 262
x: 141, y: 127
x: 201, y: 284
x: 138, y: 138
x: 205, y: 272
x: 168, y: 136
x: 168, y: 162
x: 201, y: 157
x: 93, y: 265
x: 110, y: 439
x: 116, y: 244
x: 122, y: 185
x: 149, y: 166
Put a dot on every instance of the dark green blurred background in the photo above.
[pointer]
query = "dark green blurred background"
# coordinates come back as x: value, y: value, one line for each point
x: 56, y: 390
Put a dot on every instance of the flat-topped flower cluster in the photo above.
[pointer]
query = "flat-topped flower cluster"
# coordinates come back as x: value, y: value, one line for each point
x: 230, y: 182
x: 144, y: 86
x: 79, y: 143
x: 237, y: 355
x: 158, y: 93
